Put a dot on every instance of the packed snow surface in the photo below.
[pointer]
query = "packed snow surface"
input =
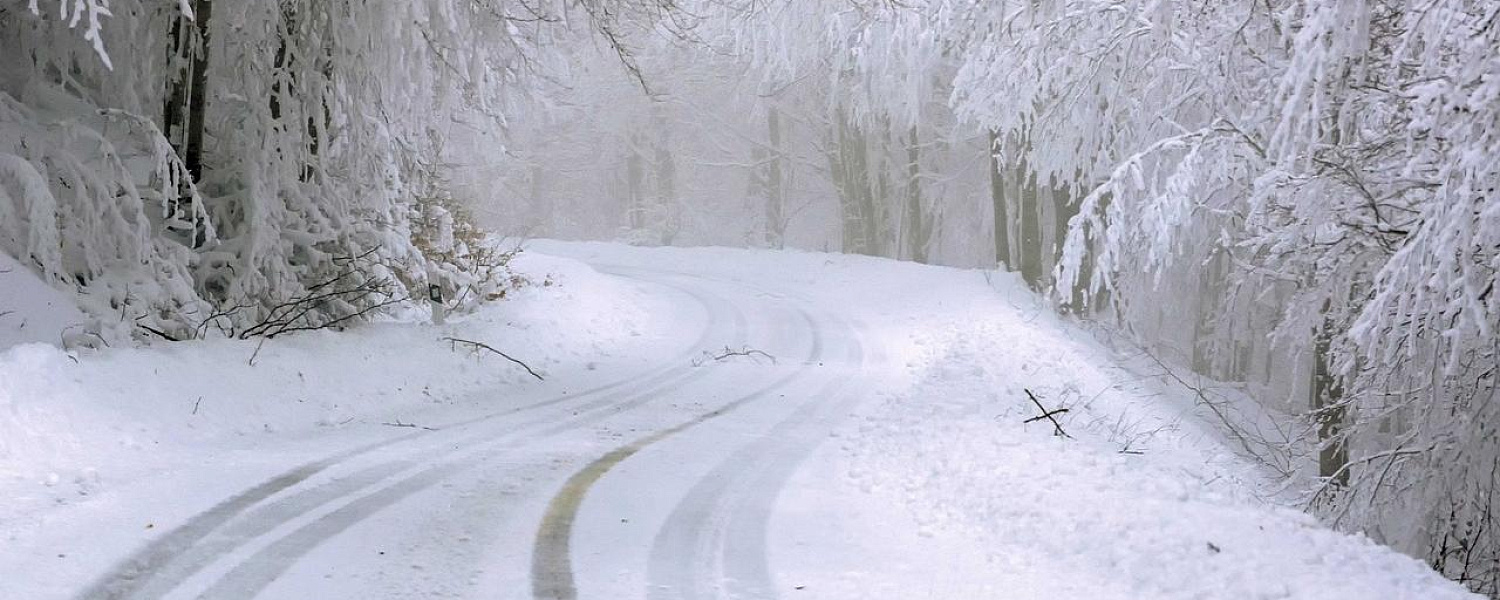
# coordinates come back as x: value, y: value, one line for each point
x: 712, y: 423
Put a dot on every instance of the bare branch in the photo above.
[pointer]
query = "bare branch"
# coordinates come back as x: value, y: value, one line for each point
x: 1048, y: 415
x: 483, y: 346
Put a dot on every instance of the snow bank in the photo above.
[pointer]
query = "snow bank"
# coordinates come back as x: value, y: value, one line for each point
x: 1143, y: 502
x: 77, y: 421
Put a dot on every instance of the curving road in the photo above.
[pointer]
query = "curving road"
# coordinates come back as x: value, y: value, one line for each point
x: 659, y: 485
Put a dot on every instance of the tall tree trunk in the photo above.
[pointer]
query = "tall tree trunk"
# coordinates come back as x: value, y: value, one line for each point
x: 541, y: 208
x: 1063, y: 210
x: 1029, y: 217
x: 198, y: 98
x: 1209, y: 278
x: 856, y: 195
x: 1047, y: 225
x: 285, y: 90
x: 183, y: 108
x: 281, y: 86
x: 635, y: 209
x: 179, y: 67
x: 666, y: 182
x: 881, y: 224
x: 838, y: 171
x: 775, y: 199
x: 998, y: 198
x: 918, y: 230
x: 876, y: 189
x: 1328, y: 407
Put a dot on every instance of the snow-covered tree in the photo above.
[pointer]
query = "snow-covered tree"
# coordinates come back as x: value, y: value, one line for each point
x: 1311, y: 180
x: 1293, y: 196
x: 190, y: 165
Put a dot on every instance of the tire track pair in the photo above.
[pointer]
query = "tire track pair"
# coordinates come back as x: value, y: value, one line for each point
x: 552, y: 569
x: 177, y: 555
x: 714, y: 543
x: 256, y: 573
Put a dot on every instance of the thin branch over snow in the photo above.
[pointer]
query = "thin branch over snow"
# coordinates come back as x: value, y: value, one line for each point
x: 483, y: 346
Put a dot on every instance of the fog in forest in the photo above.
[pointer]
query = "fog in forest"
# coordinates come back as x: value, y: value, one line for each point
x: 1289, y: 201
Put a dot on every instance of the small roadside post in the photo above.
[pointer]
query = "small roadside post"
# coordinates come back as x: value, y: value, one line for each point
x: 435, y: 295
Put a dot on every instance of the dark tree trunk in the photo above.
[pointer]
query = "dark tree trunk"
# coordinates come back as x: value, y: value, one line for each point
x: 198, y: 98
x: 182, y: 114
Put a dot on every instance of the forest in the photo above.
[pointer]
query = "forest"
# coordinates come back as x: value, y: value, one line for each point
x: 1292, y: 201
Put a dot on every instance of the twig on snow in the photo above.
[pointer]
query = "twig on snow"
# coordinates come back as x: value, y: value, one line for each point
x: 257, y: 350
x: 728, y: 353
x: 484, y: 346
x: 1048, y: 415
x: 398, y: 423
x: 159, y: 333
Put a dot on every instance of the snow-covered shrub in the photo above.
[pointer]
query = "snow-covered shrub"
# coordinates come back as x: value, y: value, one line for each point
x: 89, y: 200
x: 471, y: 265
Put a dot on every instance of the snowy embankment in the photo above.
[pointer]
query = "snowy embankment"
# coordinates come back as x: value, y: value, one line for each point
x: 75, y: 424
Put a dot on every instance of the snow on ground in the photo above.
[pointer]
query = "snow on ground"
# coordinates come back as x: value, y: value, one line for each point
x: 72, y: 423
x: 964, y: 499
x: 935, y: 485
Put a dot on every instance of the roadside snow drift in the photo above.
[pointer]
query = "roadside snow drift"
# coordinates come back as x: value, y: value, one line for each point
x: 93, y: 417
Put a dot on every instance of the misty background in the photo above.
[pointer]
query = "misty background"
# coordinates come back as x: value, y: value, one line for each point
x: 1291, y: 199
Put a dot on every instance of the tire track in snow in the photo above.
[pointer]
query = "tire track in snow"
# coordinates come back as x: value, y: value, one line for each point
x: 713, y: 544
x: 171, y: 559
x: 552, y: 567
x: 250, y: 577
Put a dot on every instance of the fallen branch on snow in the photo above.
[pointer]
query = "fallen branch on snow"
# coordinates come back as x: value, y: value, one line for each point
x: 1048, y: 415
x: 398, y: 423
x: 483, y: 346
x: 728, y: 353
x: 158, y: 333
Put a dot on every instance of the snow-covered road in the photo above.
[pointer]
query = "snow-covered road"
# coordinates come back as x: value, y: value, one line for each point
x: 708, y: 447
x: 781, y: 425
